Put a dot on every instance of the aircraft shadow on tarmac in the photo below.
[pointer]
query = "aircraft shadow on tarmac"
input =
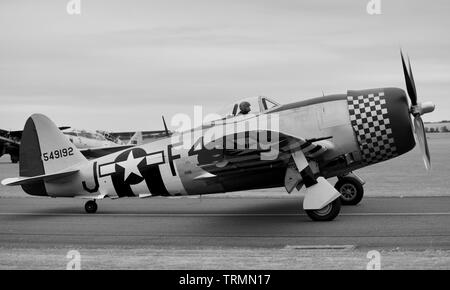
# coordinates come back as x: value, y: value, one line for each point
x: 277, y: 207
x: 247, y: 213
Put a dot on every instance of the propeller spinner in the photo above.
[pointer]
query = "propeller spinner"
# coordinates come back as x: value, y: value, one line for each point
x: 417, y: 109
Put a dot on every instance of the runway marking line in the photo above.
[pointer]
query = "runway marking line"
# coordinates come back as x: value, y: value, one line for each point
x: 222, y: 214
x: 320, y: 247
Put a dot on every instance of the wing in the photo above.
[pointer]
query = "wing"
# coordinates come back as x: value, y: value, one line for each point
x: 9, y: 141
x: 249, y: 151
x: 257, y: 153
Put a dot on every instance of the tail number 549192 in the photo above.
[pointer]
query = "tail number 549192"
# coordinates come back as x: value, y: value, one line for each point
x: 59, y: 153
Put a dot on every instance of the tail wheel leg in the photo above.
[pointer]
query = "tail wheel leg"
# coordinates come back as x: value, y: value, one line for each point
x: 91, y: 206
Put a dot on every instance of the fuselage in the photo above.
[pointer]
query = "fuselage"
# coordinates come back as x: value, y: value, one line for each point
x: 365, y: 127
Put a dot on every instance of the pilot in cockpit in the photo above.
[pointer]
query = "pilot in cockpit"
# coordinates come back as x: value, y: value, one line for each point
x: 244, y: 108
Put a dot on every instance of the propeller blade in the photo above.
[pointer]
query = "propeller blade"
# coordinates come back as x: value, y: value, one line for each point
x: 409, y: 82
x: 413, y: 83
x: 422, y: 138
x: 165, y: 127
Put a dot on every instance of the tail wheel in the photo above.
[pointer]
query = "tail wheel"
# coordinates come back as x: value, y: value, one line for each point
x: 91, y: 206
x: 327, y: 213
x: 351, y: 190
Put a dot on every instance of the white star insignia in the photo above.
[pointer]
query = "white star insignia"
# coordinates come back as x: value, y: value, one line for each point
x: 130, y: 165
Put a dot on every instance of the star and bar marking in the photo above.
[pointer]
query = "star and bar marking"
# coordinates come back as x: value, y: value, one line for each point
x: 131, y: 164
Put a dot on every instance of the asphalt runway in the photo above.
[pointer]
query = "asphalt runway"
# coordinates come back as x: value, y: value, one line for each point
x: 409, y: 223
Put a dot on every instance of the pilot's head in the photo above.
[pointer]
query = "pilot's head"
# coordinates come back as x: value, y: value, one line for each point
x: 244, y: 107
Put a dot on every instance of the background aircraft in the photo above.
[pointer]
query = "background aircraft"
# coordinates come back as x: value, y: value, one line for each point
x: 92, y: 143
x: 10, y: 142
x: 310, y: 141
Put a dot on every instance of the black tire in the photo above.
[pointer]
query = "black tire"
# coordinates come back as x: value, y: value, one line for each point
x: 328, y: 213
x: 351, y: 190
x: 91, y: 206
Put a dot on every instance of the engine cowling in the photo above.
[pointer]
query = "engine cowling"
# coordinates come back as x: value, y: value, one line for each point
x: 382, y: 124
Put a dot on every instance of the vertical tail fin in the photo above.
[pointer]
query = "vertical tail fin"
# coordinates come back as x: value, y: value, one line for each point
x: 44, y: 149
x: 136, y: 139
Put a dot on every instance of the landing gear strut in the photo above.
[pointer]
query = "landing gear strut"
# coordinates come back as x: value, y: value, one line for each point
x: 351, y: 189
x: 321, y: 202
x: 90, y: 206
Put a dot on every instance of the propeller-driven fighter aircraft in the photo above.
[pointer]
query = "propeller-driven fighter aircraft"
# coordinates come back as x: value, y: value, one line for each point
x: 263, y: 145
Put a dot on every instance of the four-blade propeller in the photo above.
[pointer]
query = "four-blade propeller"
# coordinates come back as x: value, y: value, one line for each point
x: 417, y: 109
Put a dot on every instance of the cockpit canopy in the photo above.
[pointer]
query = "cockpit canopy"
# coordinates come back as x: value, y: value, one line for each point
x: 257, y: 105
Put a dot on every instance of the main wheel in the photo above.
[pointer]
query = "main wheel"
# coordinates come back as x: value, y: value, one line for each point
x: 90, y: 206
x: 351, y: 190
x: 327, y: 213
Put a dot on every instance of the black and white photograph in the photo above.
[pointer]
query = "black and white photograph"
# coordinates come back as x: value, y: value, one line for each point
x: 245, y: 136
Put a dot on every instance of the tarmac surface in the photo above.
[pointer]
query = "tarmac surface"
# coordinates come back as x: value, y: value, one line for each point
x: 382, y: 222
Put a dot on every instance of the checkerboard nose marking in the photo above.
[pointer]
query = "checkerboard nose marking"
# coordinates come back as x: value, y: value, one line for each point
x: 370, y: 121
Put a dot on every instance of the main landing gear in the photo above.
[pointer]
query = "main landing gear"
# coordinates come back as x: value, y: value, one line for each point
x: 351, y: 189
x: 321, y: 202
x: 327, y: 213
x: 90, y: 206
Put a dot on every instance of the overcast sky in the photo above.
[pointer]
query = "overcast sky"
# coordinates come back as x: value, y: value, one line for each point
x: 120, y: 65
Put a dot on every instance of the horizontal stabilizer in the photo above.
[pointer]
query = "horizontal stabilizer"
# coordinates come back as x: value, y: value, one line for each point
x: 46, y: 177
